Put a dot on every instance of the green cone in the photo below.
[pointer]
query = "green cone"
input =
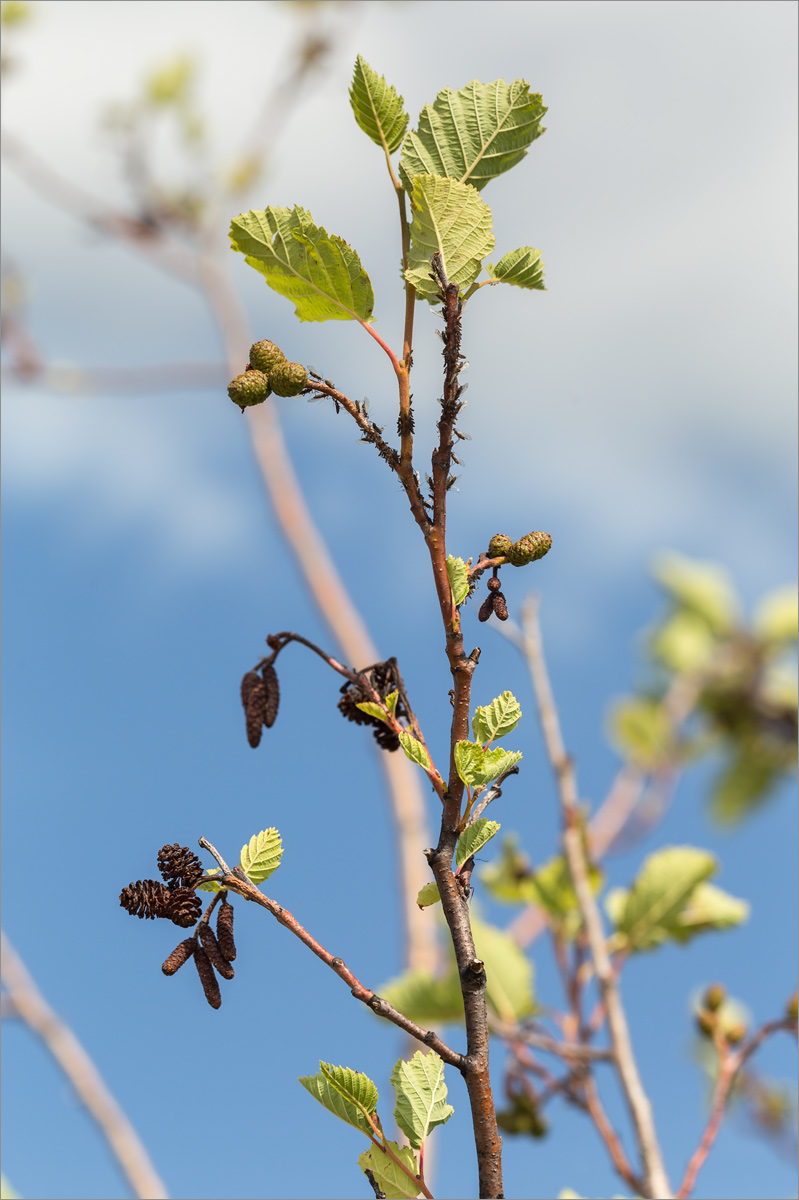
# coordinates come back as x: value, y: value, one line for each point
x: 250, y: 388
x: 265, y: 356
x: 528, y: 549
x: 288, y: 379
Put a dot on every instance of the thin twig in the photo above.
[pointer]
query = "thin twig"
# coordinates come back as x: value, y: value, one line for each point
x: 123, y: 1141
x: 655, y: 1181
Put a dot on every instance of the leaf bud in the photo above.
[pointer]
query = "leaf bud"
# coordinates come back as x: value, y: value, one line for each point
x: 265, y: 356
x: 714, y: 997
x: 735, y: 1033
x: 528, y: 549
x: 288, y: 378
x: 251, y: 387
x: 706, y: 1022
x: 500, y: 544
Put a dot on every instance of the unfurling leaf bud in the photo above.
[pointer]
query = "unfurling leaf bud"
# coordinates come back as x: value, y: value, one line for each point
x: 714, y: 997
x: 207, y: 978
x: 178, y: 957
x: 265, y: 356
x: 499, y: 544
x: 706, y: 1022
x: 215, y: 956
x: 271, y: 694
x: 528, y: 549
x: 224, y: 930
x: 252, y: 387
x: 288, y: 378
x: 735, y: 1033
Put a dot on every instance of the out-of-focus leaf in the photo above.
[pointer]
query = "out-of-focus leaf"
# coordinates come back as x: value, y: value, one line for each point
x: 659, y: 893
x: 684, y: 642
x: 509, y: 972
x: 746, y: 780
x: 640, y: 729
x: 776, y: 618
x: 509, y: 878
x: 703, y: 588
x: 171, y: 82
x: 708, y: 908
x: 424, y: 998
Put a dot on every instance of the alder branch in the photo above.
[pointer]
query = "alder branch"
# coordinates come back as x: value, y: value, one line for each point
x: 26, y: 1002
x: 655, y: 1181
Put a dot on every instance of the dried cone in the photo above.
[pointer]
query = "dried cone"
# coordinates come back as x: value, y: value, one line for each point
x: 178, y: 865
x: 271, y: 694
x: 500, y: 606
x: 528, y: 549
x: 178, y: 957
x: 486, y: 608
x: 185, y: 907
x: 265, y: 356
x: 224, y: 930
x: 207, y: 978
x: 494, y: 584
x: 252, y: 387
x: 215, y: 956
x: 288, y: 379
x: 254, y: 699
x: 500, y: 544
x: 146, y: 898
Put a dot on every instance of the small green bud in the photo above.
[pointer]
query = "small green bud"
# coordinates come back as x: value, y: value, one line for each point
x: 706, y: 1022
x: 252, y: 387
x: 265, y: 356
x: 500, y: 544
x: 792, y: 1007
x: 735, y: 1033
x: 288, y: 378
x: 528, y: 549
x: 715, y: 996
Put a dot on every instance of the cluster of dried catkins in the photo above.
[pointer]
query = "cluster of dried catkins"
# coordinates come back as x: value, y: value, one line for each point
x: 260, y: 695
x: 176, y: 900
x: 267, y: 371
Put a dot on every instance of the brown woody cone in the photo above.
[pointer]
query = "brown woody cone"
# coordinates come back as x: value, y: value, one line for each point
x: 185, y: 907
x: 207, y: 978
x: 211, y: 947
x: 271, y: 694
x: 178, y: 957
x: 224, y: 931
x: 146, y: 898
x: 178, y: 865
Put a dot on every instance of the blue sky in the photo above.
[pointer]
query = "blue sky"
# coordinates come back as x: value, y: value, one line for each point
x: 645, y: 400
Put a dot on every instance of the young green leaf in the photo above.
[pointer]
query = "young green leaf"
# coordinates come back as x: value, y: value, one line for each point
x: 496, y: 719
x: 262, y: 855
x: 210, y: 886
x: 414, y: 750
x: 508, y: 878
x: 473, y: 838
x: 318, y: 271
x: 374, y: 710
x: 449, y: 218
x: 392, y: 1182
x: 343, y: 1092
x: 701, y: 587
x: 391, y: 702
x: 475, y: 134
x: 425, y: 999
x: 641, y: 730
x: 421, y: 1096
x: 468, y: 761
x: 522, y: 268
x: 378, y: 109
x: 708, y: 908
x: 428, y: 894
x: 458, y: 574
x: 496, y: 763
x: 659, y: 893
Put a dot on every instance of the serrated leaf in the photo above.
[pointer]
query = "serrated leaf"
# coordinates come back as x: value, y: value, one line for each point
x: 468, y: 761
x: 374, y: 710
x: 521, y: 268
x: 429, y: 894
x: 660, y: 891
x: 450, y: 219
x: 378, y: 108
x: 424, y: 998
x: 391, y: 702
x: 414, y: 750
x: 640, y: 729
x: 316, y: 270
x: 458, y: 574
x: 421, y: 1096
x: 210, y: 886
x: 475, y: 134
x: 343, y: 1092
x: 473, y: 838
x: 702, y: 587
x: 392, y: 1182
x: 261, y: 857
x: 496, y: 763
x: 496, y: 719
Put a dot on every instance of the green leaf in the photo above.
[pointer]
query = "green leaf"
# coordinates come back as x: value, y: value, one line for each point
x: 496, y: 719
x: 428, y: 894
x: 421, y: 1096
x: 475, y: 134
x: 748, y: 777
x: 641, y: 731
x: 777, y: 615
x: 210, y: 886
x: 509, y: 878
x: 468, y: 761
x: 170, y: 83
x: 458, y: 574
x: 703, y: 588
x: 449, y: 218
x: 393, y: 1183
x: 391, y: 702
x: 684, y: 642
x: 659, y: 893
x: 509, y: 973
x: 262, y: 856
x: 709, y: 908
x: 522, y: 268
x: 496, y: 763
x: 473, y: 838
x: 552, y: 887
x: 414, y: 750
x: 318, y: 271
x: 424, y: 998
x: 374, y: 710
x: 378, y: 109
x: 344, y: 1093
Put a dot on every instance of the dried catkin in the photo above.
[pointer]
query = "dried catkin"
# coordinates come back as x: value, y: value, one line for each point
x: 211, y: 947
x: 178, y: 957
x: 253, y: 697
x: 224, y: 931
x: 207, y: 977
x: 271, y: 694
